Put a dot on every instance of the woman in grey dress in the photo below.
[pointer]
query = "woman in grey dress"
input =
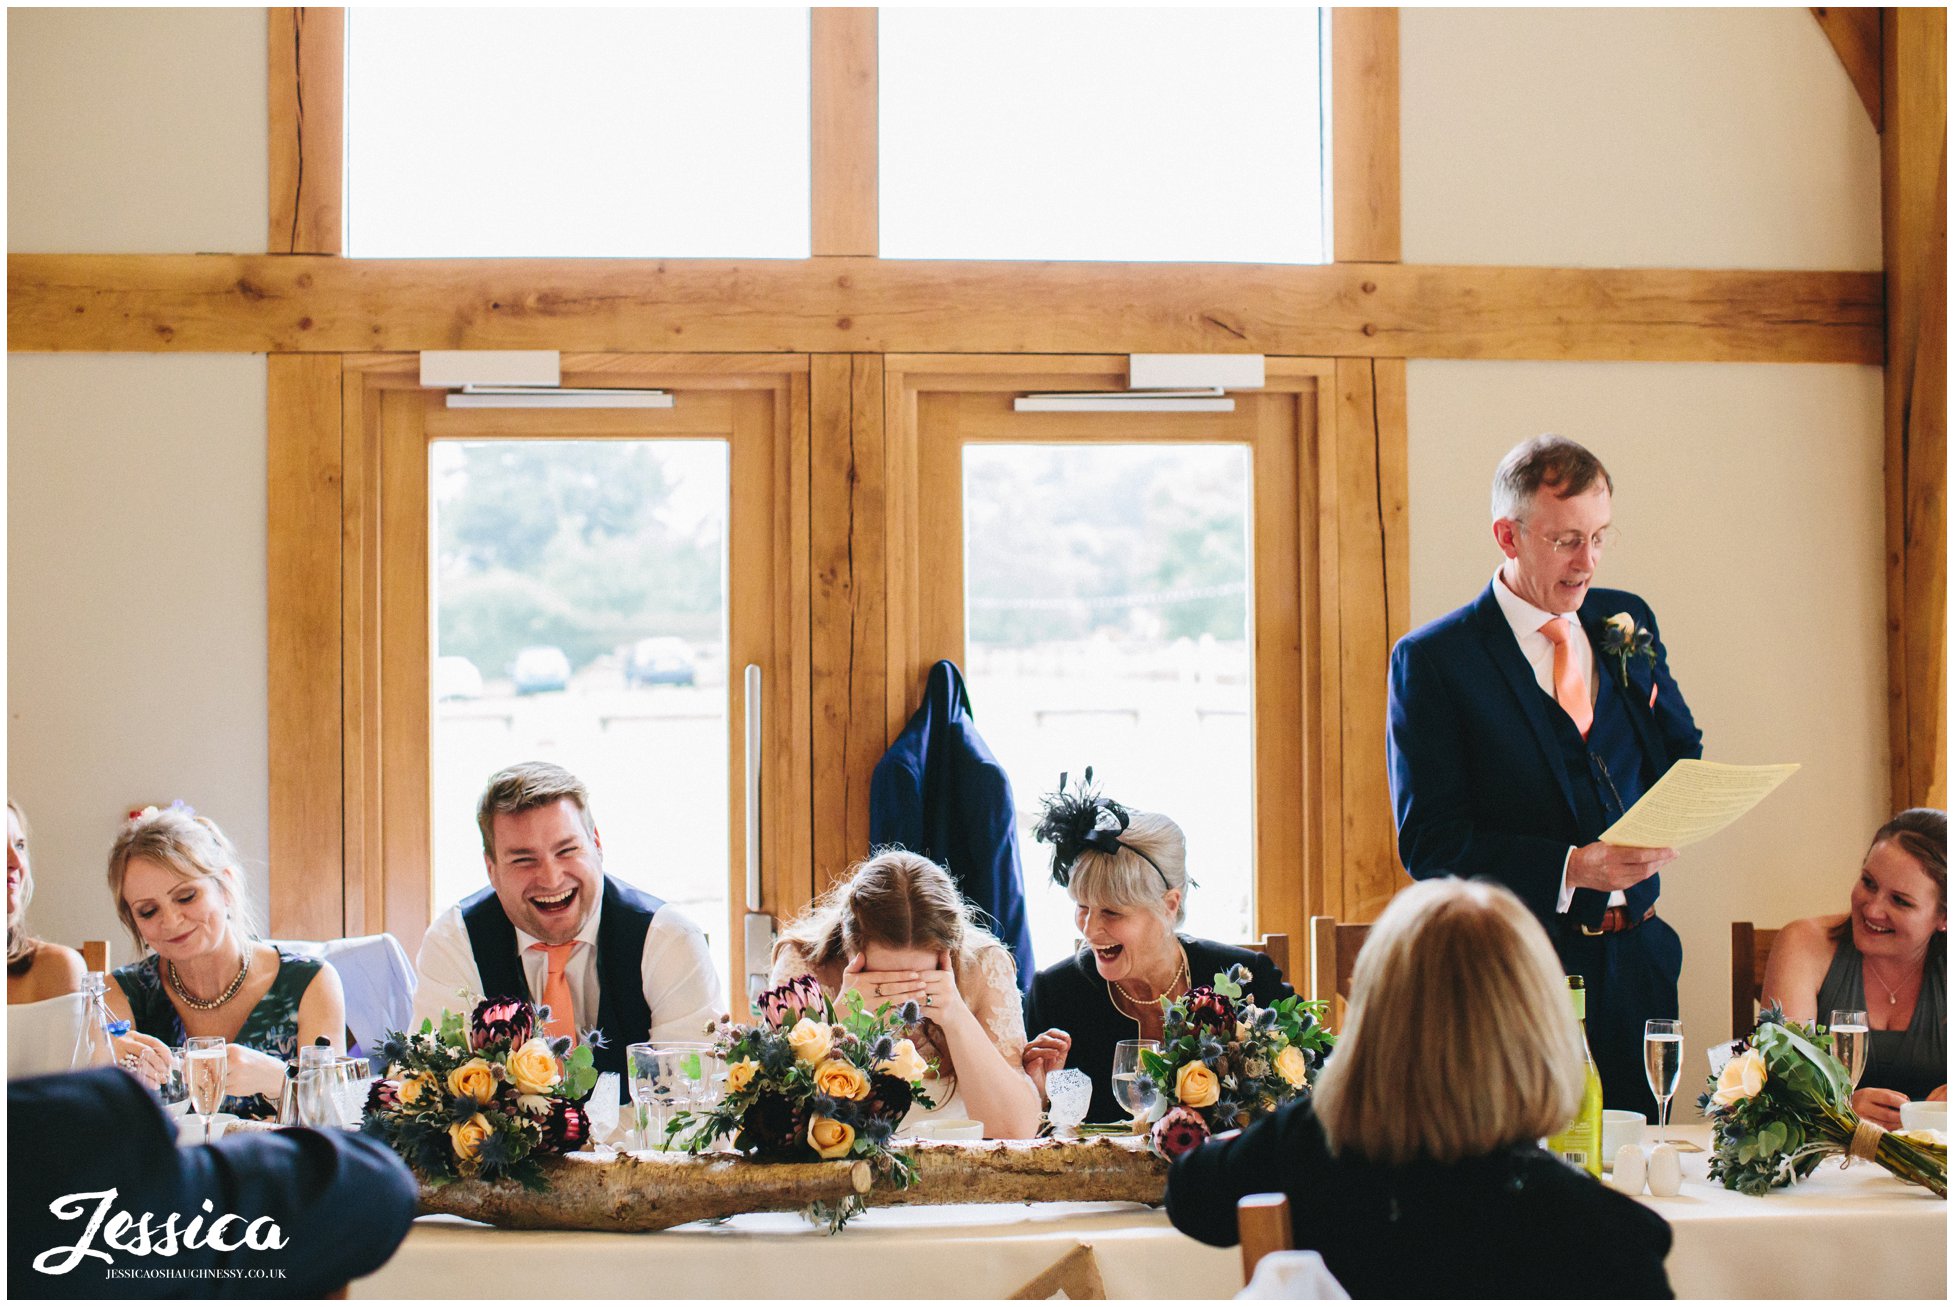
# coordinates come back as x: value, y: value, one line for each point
x: 1887, y: 957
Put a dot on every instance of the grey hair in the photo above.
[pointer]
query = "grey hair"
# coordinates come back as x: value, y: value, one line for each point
x: 1126, y: 878
x: 1555, y: 462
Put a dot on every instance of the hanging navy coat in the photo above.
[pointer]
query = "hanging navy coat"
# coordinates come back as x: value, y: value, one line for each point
x: 940, y: 792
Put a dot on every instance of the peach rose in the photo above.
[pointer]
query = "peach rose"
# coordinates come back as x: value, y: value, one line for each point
x: 1292, y: 1065
x: 473, y: 1078
x: 839, y: 1079
x: 810, y: 1041
x: 1195, y: 1085
x: 1741, y: 1077
x: 533, y: 1067
x: 469, y: 1136
x: 830, y: 1138
x: 740, y: 1074
x: 416, y: 1088
x: 904, y: 1062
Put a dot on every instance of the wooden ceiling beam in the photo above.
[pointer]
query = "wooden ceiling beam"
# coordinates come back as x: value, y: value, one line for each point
x: 237, y: 303
x: 1855, y: 35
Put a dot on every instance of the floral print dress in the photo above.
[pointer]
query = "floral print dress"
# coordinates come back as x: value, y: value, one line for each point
x: 272, y: 1027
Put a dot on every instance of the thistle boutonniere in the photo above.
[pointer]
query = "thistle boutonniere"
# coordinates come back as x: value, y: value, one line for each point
x: 1622, y: 639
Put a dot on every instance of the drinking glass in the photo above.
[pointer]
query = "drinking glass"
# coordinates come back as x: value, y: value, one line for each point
x: 174, y: 1088
x: 1662, y: 1061
x: 1851, y: 1040
x: 666, y: 1078
x: 1132, y: 1086
x: 1070, y: 1090
x: 318, y: 1087
x: 204, y: 1061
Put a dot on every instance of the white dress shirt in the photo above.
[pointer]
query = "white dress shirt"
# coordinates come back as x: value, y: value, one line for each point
x: 1526, y: 621
x: 681, y: 986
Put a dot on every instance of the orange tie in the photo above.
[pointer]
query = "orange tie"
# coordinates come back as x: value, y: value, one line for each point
x: 1569, y: 686
x: 556, y: 990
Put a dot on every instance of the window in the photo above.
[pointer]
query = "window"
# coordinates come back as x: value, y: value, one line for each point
x: 577, y: 132
x: 1129, y: 134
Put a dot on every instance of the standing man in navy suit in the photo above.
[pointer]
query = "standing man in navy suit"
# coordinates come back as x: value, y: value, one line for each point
x: 1525, y: 723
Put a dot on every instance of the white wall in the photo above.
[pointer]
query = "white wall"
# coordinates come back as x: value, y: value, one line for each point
x: 1750, y: 495
x: 136, y: 483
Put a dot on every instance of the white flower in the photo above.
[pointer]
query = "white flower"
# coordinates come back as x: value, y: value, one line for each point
x: 534, y: 1104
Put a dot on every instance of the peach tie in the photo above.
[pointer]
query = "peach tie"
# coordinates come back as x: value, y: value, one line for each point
x: 556, y: 991
x: 1569, y: 687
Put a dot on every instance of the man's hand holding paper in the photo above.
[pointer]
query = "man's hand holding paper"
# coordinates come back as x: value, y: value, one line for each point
x: 1693, y: 801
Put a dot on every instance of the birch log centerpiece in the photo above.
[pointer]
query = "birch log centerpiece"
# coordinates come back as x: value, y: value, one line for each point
x: 657, y: 1191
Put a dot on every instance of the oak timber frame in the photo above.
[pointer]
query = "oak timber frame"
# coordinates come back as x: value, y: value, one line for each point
x: 840, y: 317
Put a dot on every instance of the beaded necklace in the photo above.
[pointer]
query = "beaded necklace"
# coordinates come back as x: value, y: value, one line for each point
x: 211, y: 1004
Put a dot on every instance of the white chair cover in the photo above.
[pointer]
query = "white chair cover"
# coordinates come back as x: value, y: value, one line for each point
x: 41, y: 1036
x: 1294, y: 1275
x: 378, y: 979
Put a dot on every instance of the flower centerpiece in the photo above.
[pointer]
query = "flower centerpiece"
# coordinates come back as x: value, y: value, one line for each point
x: 1224, y: 1061
x: 482, y: 1099
x: 1783, y: 1103
x: 811, y: 1081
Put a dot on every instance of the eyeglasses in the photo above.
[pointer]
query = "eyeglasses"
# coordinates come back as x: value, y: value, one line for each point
x: 1573, y: 540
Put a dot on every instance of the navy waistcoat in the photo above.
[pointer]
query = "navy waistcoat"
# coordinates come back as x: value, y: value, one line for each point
x: 622, y: 1013
x: 1608, y: 771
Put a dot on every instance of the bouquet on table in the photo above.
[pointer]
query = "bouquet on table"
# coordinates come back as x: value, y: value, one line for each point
x: 481, y: 1100
x: 1225, y: 1062
x: 1783, y: 1104
x: 812, y: 1082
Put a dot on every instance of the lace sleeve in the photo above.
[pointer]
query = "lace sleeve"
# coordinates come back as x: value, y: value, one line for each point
x: 990, y: 989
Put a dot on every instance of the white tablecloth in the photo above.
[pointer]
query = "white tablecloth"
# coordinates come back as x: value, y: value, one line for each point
x: 1857, y: 1233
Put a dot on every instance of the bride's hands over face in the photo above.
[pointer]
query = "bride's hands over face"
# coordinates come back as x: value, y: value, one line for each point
x: 934, y: 989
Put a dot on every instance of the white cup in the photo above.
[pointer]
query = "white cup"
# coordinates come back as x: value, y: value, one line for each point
x: 947, y: 1129
x: 1618, y: 1128
x: 1924, y: 1116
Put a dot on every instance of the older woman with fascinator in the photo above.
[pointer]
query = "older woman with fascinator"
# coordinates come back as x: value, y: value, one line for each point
x: 1126, y: 871
x: 180, y: 893
x: 1415, y: 1169
x: 1886, y: 957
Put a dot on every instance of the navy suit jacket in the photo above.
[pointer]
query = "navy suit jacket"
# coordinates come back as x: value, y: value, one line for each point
x: 1478, y: 781
x: 940, y: 792
x: 342, y: 1202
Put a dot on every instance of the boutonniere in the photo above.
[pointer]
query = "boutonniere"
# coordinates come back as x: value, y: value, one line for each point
x: 1622, y: 639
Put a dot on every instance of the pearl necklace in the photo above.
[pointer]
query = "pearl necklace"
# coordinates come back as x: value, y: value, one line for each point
x: 211, y: 1004
x: 1117, y: 991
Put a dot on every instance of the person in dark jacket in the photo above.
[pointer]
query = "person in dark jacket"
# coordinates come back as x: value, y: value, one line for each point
x: 1126, y: 871
x: 1414, y: 1171
x: 101, y: 1203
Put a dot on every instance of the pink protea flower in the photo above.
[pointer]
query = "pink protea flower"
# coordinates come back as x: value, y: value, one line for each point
x: 1180, y: 1131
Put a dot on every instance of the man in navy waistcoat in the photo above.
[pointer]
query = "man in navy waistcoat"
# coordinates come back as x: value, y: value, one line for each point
x: 1524, y: 724
x: 554, y: 928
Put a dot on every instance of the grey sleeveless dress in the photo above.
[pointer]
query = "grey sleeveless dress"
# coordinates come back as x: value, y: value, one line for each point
x: 1912, y: 1061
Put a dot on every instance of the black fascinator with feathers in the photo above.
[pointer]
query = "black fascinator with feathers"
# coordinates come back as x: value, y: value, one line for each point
x: 1078, y: 819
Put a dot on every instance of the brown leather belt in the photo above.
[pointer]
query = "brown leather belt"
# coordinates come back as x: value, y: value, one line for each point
x: 1614, y: 921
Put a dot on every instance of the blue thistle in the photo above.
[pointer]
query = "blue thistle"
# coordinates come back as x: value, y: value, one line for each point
x: 910, y: 1013
x: 885, y: 1048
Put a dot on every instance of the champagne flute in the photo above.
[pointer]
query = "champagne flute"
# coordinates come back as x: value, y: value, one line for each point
x: 1851, y: 1040
x: 1662, y: 1061
x: 205, y: 1059
x: 1132, y: 1086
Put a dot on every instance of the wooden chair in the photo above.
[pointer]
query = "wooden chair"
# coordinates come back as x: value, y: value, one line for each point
x: 1263, y: 1220
x: 1750, y: 953
x: 1276, y: 949
x: 1333, y: 956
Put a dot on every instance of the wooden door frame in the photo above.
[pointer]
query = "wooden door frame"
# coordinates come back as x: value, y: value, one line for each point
x: 349, y: 603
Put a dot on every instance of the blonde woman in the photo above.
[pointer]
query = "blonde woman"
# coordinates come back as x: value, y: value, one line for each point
x: 897, y: 931
x: 180, y: 892
x: 1416, y: 1171
x: 36, y: 969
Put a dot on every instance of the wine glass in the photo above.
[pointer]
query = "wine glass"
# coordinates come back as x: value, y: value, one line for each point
x: 1662, y: 1061
x: 204, y: 1061
x: 1132, y: 1086
x: 1851, y: 1040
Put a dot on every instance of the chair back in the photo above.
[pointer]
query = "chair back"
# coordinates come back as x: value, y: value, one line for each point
x: 1750, y: 953
x: 1333, y: 951
x: 1276, y: 949
x: 379, y: 983
x: 1263, y: 1220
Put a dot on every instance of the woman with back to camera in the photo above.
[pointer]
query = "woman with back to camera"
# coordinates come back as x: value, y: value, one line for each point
x: 897, y: 931
x: 180, y: 892
x: 1126, y: 871
x: 1415, y: 1168
x: 1887, y: 957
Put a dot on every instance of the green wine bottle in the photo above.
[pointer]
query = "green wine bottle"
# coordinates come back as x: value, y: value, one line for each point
x: 1579, y: 1142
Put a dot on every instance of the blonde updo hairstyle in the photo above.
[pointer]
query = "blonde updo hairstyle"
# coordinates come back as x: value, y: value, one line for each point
x: 1126, y: 879
x: 191, y: 848
x: 1460, y: 1040
x: 21, y: 945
